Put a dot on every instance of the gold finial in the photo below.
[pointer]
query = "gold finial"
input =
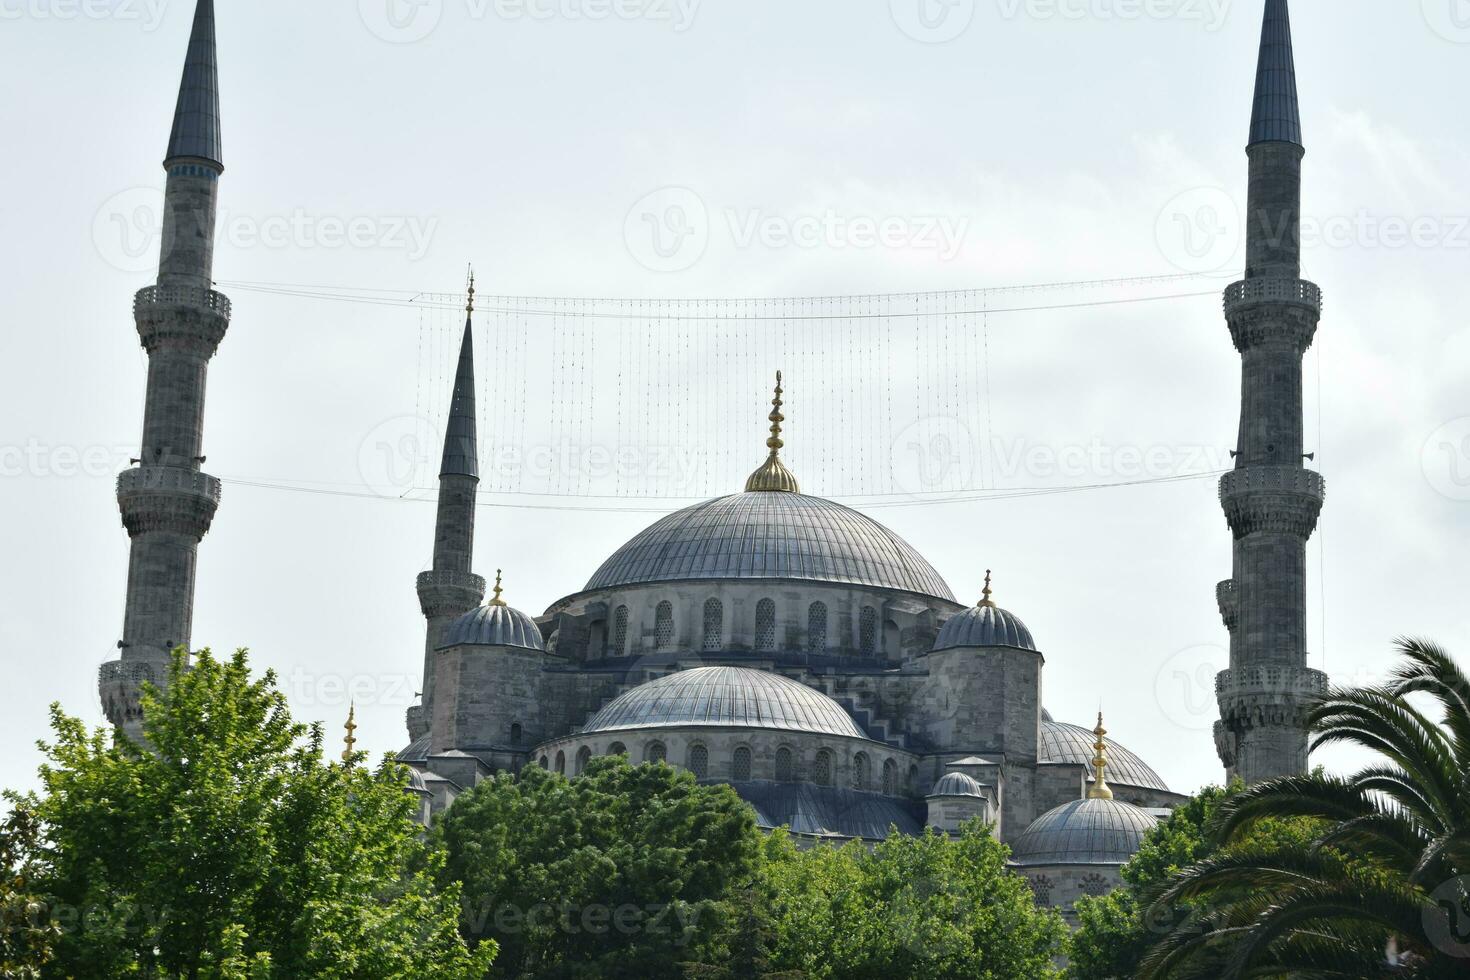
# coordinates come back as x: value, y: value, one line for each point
x: 497, y: 601
x: 773, y: 474
x: 470, y: 305
x: 351, y: 740
x: 1099, y: 789
x: 985, y: 600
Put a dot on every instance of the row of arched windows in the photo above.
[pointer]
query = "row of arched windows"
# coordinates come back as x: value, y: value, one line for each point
x: 713, y: 636
x: 785, y: 770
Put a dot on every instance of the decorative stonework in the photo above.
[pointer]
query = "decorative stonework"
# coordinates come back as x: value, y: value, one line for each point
x: 418, y: 722
x: 1283, y: 499
x: 167, y: 498
x: 120, y: 683
x: 449, y: 593
x: 184, y: 318
x: 1264, y: 696
x: 1229, y: 599
x: 1273, y: 311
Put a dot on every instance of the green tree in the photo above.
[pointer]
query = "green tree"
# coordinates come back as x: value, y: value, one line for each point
x: 920, y: 908
x: 1382, y: 888
x: 27, y: 935
x: 623, y: 871
x: 228, y: 849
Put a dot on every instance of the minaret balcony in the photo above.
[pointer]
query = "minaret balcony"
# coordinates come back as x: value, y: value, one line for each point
x: 178, y: 295
x: 1269, y: 683
x: 1228, y: 596
x: 1254, y: 292
x: 443, y: 592
x: 1268, y: 312
x: 167, y: 498
x: 181, y: 317
x: 120, y: 682
x: 1281, y: 499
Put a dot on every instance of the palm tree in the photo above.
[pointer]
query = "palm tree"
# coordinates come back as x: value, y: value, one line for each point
x: 1376, y: 881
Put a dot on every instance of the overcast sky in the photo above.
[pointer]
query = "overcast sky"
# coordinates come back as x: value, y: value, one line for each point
x: 1039, y: 141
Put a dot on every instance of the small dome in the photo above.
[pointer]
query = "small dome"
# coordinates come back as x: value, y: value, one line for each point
x: 984, y: 626
x: 1061, y: 742
x: 956, y: 784
x: 733, y: 697
x: 416, y: 782
x: 494, y: 625
x: 1084, y: 832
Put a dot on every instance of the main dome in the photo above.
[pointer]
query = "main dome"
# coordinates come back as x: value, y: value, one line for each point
x: 728, y: 697
x: 771, y: 536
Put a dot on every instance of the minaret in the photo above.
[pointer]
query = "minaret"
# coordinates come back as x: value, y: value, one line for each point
x: 1271, y: 500
x: 450, y: 589
x: 166, y: 499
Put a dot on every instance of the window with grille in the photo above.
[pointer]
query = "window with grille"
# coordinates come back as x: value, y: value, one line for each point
x: 561, y: 763
x: 868, y: 631
x: 785, y: 771
x: 714, y: 624
x: 890, y: 778
x: 1041, y: 888
x: 699, y: 762
x: 860, y: 771
x: 584, y: 756
x: 656, y: 752
x: 663, y: 625
x: 765, y: 625
x: 816, y: 627
x: 620, y: 632
x: 617, y: 748
x: 740, y: 768
x: 1095, y: 885
x: 822, y: 773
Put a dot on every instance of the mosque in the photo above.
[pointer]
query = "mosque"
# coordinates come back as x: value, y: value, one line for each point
x: 783, y: 644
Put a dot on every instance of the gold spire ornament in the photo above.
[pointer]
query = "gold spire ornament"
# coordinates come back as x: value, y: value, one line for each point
x: 469, y: 306
x: 497, y: 600
x: 773, y: 476
x: 1099, y: 789
x: 986, y: 602
x: 351, y: 740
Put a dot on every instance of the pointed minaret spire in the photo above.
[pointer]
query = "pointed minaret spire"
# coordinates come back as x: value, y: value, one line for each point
x: 1276, y: 117
x: 773, y: 476
x: 196, y: 132
x: 461, y: 455
x: 350, y: 741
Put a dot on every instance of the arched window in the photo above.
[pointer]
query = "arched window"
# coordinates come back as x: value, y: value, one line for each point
x: 617, y: 748
x: 868, y: 631
x: 740, y: 767
x: 620, y: 632
x: 714, y: 624
x: 515, y: 733
x: 822, y: 772
x: 561, y: 763
x: 765, y: 625
x: 785, y: 770
x: 584, y: 756
x: 699, y: 762
x: 861, y: 771
x: 545, y: 763
x: 1041, y: 888
x: 663, y: 625
x: 816, y: 628
x: 656, y: 752
x: 1095, y: 885
x: 890, y: 778
x: 910, y: 779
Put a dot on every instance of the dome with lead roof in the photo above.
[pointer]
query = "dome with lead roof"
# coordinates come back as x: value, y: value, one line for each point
x: 984, y: 625
x: 495, y: 624
x: 1084, y: 832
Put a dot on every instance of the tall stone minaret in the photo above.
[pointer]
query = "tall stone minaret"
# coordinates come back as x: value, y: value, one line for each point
x: 449, y: 589
x: 1271, y: 500
x: 167, y: 501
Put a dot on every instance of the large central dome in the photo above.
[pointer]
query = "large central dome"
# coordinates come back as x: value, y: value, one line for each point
x: 756, y: 535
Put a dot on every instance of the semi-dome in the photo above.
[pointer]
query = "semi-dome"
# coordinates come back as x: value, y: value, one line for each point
x: 730, y: 697
x: 957, y: 784
x: 762, y: 535
x: 1084, y: 832
x: 1061, y: 742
